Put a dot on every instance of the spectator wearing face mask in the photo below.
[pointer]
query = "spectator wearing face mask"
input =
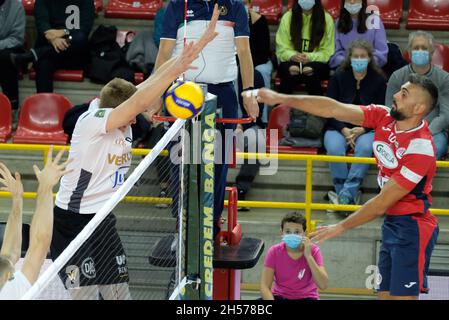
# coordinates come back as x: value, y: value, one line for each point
x: 352, y: 25
x: 294, y: 268
x: 421, y: 48
x: 304, y: 45
x: 358, y: 81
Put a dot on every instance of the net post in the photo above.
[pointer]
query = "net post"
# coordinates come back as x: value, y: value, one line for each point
x: 206, y: 197
x: 192, y: 227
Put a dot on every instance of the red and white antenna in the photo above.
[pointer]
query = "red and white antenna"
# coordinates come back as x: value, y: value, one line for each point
x: 185, y: 32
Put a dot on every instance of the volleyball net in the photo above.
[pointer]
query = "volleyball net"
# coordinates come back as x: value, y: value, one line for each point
x: 163, y: 218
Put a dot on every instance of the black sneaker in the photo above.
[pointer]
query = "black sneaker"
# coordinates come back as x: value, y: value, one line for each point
x: 344, y: 200
x: 241, y: 197
x: 162, y: 194
x: 20, y: 60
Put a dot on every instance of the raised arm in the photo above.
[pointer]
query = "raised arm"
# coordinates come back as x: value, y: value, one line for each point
x: 12, y: 240
x: 41, y: 230
x: 319, y: 106
x: 150, y: 92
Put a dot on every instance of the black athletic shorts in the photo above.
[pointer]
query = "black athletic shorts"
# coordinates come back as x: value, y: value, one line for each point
x: 101, y: 260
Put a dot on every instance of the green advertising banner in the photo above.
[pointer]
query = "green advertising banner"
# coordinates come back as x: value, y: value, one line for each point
x: 207, y: 197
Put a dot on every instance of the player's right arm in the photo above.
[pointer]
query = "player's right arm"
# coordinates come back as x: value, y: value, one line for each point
x: 150, y: 92
x: 42, y: 225
x: 12, y: 240
x: 316, y: 105
x: 166, y: 47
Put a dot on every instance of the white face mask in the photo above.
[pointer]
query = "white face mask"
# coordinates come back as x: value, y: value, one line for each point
x: 353, y: 8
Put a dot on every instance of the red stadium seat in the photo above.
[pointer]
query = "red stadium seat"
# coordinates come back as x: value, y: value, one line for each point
x: 132, y: 9
x: 428, y: 14
x: 5, y: 119
x: 332, y: 6
x: 440, y: 57
x: 98, y: 6
x: 62, y: 75
x: 271, y: 9
x: 40, y: 120
x: 279, y: 119
x: 390, y: 12
x: 29, y: 6
x: 138, y: 77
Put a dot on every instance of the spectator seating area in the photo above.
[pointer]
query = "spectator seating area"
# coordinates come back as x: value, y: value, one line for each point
x: 40, y: 120
x: 421, y: 14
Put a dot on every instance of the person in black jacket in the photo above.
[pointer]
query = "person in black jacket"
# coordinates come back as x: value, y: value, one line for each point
x: 12, y: 34
x: 63, y: 27
x: 358, y: 81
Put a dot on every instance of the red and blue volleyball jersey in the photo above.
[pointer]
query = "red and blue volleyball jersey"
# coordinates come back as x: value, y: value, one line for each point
x: 217, y: 62
x: 408, y: 157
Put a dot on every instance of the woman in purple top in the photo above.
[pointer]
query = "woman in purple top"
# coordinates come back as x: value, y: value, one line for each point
x: 294, y: 268
x: 355, y: 23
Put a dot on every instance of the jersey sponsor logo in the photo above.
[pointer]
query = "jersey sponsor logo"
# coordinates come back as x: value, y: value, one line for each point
x: 100, y: 113
x: 121, y: 262
x: 411, y: 284
x: 119, y: 160
x: 190, y: 14
x: 118, y: 178
x: 73, y: 276
x: 123, y: 142
x: 223, y: 10
x: 301, y: 274
x: 88, y: 268
x: 385, y: 155
x: 400, y: 153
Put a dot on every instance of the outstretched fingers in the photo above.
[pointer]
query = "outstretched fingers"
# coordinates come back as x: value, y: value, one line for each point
x: 59, y: 156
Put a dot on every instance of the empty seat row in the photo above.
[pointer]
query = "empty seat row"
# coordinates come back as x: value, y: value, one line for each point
x: 40, y: 119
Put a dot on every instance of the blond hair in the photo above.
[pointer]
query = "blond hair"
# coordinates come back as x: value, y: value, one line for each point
x: 115, y: 92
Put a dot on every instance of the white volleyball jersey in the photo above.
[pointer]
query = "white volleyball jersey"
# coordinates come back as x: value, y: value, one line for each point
x: 100, y: 163
x: 15, y: 287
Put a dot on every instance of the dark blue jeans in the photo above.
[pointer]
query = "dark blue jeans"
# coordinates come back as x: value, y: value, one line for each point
x: 227, y: 101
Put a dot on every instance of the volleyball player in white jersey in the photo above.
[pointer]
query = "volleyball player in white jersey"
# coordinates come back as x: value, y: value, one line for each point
x: 101, y: 149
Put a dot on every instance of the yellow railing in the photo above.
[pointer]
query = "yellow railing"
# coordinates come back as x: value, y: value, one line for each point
x: 308, y: 205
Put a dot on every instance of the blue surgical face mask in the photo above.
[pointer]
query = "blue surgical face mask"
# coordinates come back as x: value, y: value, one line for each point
x: 353, y: 8
x: 293, y: 241
x: 306, y: 4
x: 420, y: 58
x: 359, y: 65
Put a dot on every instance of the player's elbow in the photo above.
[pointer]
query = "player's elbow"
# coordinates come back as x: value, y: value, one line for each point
x: 323, y: 285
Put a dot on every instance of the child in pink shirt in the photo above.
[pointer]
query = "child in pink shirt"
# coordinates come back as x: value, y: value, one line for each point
x: 294, y: 268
